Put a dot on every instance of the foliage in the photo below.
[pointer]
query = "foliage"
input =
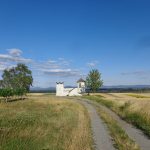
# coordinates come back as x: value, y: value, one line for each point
x: 93, y: 80
x: 8, y: 93
x: 16, y: 82
x: 17, y: 77
x: 20, y: 92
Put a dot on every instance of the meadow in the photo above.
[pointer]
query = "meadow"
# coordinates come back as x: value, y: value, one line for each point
x: 44, y: 122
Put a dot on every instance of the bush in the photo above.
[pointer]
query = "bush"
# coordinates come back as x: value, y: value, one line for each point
x: 6, y: 93
x: 20, y: 92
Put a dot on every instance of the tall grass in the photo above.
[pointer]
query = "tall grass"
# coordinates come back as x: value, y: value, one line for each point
x: 121, y: 139
x: 138, y: 96
x: 44, y: 122
x: 140, y: 119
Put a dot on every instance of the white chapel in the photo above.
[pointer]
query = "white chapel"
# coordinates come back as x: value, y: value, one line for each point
x: 61, y: 91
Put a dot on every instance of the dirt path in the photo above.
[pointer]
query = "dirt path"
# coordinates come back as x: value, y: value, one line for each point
x: 101, y: 137
x: 134, y: 133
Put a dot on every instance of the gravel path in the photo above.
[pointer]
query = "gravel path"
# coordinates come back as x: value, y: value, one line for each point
x: 134, y: 133
x: 101, y: 136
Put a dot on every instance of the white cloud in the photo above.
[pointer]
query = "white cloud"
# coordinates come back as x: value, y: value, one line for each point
x: 11, y: 58
x: 43, y: 71
x: 58, y: 67
x: 61, y: 72
x: 15, y: 52
x: 3, y: 65
x: 92, y: 63
x: 14, y: 55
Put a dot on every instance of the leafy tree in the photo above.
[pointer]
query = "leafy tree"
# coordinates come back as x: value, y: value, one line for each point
x: 1, y: 84
x: 20, y: 92
x: 6, y: 93
x: 17, y: 77
x: 93, y: 80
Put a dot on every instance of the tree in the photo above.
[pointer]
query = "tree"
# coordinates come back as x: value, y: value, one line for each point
x: 93, y: 80
x: 23, y: 77
x: 17, y: 77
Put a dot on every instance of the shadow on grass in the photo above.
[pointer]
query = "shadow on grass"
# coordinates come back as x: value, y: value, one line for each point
x: 13, y: 99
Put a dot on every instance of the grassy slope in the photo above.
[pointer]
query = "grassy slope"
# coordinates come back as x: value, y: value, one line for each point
x: 43, y: 122
x: 138, y: 118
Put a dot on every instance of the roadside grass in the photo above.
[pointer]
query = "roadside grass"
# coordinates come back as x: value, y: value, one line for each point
x: 44, y: 123
x: 138, y: 96
x: 138, y: 118
x: 121, y: 139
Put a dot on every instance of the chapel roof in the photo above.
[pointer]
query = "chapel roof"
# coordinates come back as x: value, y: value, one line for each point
x: 80, y: 80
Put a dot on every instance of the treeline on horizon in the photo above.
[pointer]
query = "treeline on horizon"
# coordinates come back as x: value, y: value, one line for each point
x: 103, y: 90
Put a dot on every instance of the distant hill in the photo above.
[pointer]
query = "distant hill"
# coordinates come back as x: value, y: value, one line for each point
x: 127, y: 86
x: 123, y: 87
x: 40, y: 89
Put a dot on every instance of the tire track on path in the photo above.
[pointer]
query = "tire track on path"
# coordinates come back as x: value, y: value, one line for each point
x: 134, y: 133
x: 101, y: 136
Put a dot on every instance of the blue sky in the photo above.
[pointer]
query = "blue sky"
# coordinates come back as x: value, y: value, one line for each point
x: 62, y: 40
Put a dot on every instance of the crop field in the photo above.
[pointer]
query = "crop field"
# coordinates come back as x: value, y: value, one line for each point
x: 44, y: 122
x: 138, y: 101
x: 132, y: 107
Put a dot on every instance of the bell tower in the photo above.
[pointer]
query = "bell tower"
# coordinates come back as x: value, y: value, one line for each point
x: 81, y: 85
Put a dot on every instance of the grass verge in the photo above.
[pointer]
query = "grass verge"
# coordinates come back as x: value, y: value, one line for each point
x: 44, y: 123
x: 121, y: 139
x: 139, y: 119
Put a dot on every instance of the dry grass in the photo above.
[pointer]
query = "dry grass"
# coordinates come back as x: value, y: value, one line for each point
x: 138, y: 96
x: 44, y: 122
x: 132, y: 109
x: 137, y: 104
x: 121, y: 139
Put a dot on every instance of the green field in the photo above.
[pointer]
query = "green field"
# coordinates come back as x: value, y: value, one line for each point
x: 44, y: 122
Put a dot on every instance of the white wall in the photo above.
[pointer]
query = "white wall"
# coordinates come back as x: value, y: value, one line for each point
x: 61, y: 91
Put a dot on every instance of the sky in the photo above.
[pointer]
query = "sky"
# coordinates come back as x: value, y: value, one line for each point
x: 61, y: 40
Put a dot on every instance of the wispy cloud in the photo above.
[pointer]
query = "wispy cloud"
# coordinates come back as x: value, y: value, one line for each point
x: 15, y: 52
x: 14, y: 55
x: 61, y: 72
x: 59, y: 67
x: 53, y: 69
x: 92, y: 64
x: 137, y: 73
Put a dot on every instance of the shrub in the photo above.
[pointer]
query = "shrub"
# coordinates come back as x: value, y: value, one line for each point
x: 20, y: 92
x: 6, y: 93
